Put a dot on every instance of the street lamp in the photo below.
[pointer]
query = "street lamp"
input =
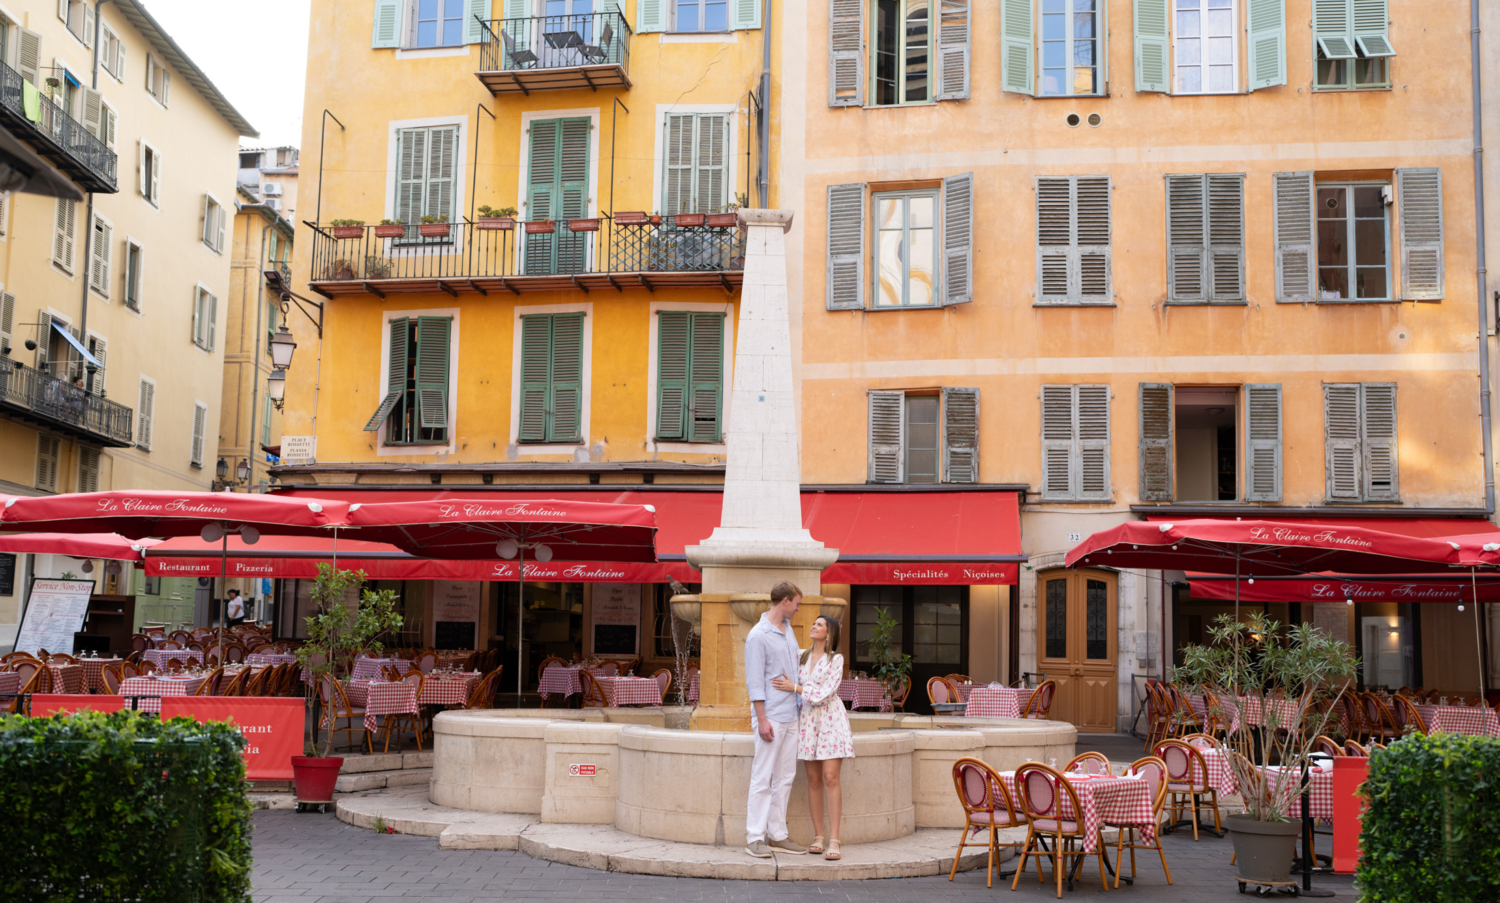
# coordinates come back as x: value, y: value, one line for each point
x: 282, y: 346
x: 221, y: 470
x: 276, y: 387
x: 242, y: 470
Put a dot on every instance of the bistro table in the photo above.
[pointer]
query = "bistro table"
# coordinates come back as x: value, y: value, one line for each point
x: 10, y: 683
x: 148, y: 690
x: 372, y: 668
x: 1118, y: 800
x: 270, y: 658
x: 93, y: 672
x: 564, y: 680
x: 620, y: 691
x: 865, y: 693
x: 996, y: 702
x: 693, y: 687
x: 159, y: 657
x: 379, y: 698
x: 66, y: 678
x: 1461, y: 719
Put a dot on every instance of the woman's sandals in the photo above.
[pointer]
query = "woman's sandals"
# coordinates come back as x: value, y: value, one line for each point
x: 817, y: 845
x: 833, y: 850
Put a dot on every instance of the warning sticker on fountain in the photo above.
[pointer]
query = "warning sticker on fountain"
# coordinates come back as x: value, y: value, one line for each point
x: 582, y: 771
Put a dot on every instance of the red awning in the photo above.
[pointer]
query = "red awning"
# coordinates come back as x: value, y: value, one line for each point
x: 1344, y: 588
x: 140, y: 513
x: 77, y: 545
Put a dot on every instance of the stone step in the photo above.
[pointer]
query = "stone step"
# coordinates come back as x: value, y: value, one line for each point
x: 378, y: 780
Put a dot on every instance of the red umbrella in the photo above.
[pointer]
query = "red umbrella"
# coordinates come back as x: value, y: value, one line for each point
x: 78, y: 545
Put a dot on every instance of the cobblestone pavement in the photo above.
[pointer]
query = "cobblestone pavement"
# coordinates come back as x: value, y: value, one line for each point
x: 309, y: 857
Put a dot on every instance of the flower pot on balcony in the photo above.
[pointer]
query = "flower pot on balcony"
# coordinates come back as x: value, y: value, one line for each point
x: 434, y: 230
x: 722, y: 220
x: 348, y: 231
x: 541, y: 227
x: 493, y: 223
x: 688, y: 219
x: 584, y: 225
x: 655, y: 220
x: 390, y: 231
x: 631, y: 218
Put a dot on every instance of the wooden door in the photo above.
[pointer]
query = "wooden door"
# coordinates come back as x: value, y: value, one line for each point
x: 1076, y: 645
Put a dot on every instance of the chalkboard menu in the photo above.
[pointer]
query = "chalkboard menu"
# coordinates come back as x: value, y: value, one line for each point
x: 614, y: 639
x: 453, y: 634
x: 7, y: 574
x: 617, y: 618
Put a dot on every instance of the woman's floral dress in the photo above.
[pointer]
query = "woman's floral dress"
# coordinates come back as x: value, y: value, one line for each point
x: 824, y: 725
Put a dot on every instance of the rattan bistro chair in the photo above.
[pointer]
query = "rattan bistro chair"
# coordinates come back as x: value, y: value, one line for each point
x: 1154, y: 772
x: 594, y: 696
x: 940, y: 691
x: 336, y: 707
x: 1052, y: 812
x: 1187, y: 781
x: 1414, y: 722
x: 987, y: 807
x: 1089, y: 763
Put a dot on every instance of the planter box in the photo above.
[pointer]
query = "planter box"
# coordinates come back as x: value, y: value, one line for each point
x: 541, y: 227
x: 631, y: 218
x: 688, y: 219
x: 348, y: 231
x: 434, y: 230
x: 723, y: 220
x: 390, y: 231
x: 583, y: 225
x: 493, y: 223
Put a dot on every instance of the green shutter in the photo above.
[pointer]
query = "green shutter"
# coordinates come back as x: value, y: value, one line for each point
x: 1332, y: 29
x: 432, y: 371
x: 1371, y: 22
x: 671, y: 373
x: 541, y: 196
x: 743, y: 14
x: 477, y: 11
x: 573, y: 192
x: 387, y: 32
x: 567, y: 378
x: 707, y: 373
x: 265, y: 423
x: 536, y: 364
x: 1152, y: 57
x: 650, y: 15
x: 1267, y: 42
x: 395, y: 383
x: 1017, y: 46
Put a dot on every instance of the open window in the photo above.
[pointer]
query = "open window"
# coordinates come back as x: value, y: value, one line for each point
x: 1210, y: 443
x: 415, y: 406
x: 924, y: 436
x: 921, y: 238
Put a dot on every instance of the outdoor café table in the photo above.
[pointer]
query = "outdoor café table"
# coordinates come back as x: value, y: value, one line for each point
x: 444, y: 690
x: 66, y: 678
x: 147, y: 690
x: 10, y: 683
x: 630, y: 691
x: 1220, y: 778
x: 996, y: 702
x: 564, y: 681
x: 159, y: 657
x: 693, y: 689
x: 93, y: 672
x: 1104, y: 798
x: 1461, y: 719
x: 1320, y: 797
x: 865, y: 693
x: 381, y: 697
x: 965, y: 689
x: 371, y: 668
x: 270, y: 658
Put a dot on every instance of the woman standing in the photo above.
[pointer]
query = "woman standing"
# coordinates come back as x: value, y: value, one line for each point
x: 824, y: 741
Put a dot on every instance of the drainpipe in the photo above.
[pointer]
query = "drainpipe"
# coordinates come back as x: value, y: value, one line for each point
x: 260, y: 308
x: 88, y: 219
x: 763, y: 176
x: 1484, y: 341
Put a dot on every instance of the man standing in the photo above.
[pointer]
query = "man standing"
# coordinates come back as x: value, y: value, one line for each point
x: 771, y: 651
x: 236, y: 608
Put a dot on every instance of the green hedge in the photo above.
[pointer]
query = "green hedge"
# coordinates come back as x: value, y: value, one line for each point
x: 1432, y: 824
x: 120, y: 807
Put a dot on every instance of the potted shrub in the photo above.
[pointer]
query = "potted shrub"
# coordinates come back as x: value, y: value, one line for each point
x: 631, y: 218
x: 584, y: 225
x: 390, y: 228
x: 348, y: 228
x: 541, y: 227
x: 434, y: 226
x: 883, y: 649
x: 1304, y: 671
x: 337, y: 632
x: 490, y: 218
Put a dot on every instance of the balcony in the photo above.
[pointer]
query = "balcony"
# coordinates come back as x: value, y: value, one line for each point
x: 50, y: 402
x: 481, y: 257
x: 57, y: 136
x: 554, y: 53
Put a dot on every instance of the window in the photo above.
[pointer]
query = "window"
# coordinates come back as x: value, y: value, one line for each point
x: 415, y: 407
x: 698, y: 15
x: 1192, y: 46
x: 1359, y: 434
x: 689, y: 376
x: 427, y: 159
x: 158, y: 79
x: 1353, y: 46
x: 213, y: 224
x: 687, y: 15
x: 150, y: 586
x: 135, y: 260
x: 150, y: 174
x: 1075, y: 443
x: 1190, y: 441
x: 145, y: 413
x: 922, y: 239
x: 438, y: 23
x: 100, y: 253
x: 1204, y: 47
x: 64, y: 233
x: 1071, y: 51
x: 88, y: 469
x: 924, y: 437
x: 1073, y: 240
x: 200, y: 424
x: 552, y: 378
x: 918, y: 51
x: 112, y: 53
x: 79, y: 17
x: 1353, y: 242
x: 205, y: 318
x: 557, y: 170
x: 696, y: 179
x: 48, y: 455
x: 1206, y: 237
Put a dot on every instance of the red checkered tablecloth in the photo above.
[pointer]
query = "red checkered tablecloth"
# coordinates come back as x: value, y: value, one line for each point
x: 1105, y: 800
x: 148, y: 689
x: 10, y: 683
x: 1459, y: 719
x: 1220, y: 778
x: 693, y: 687
x: 384, y: 698
x: 1320, y: 799
x: 560, y: 680
x: 630, y: 690
x: 996, y: 702
x: 67, y: 678
x: 377, y: 696
x: 370, y: 668
x: 270, y: 658
x: 965, y: 689
x: 159, y: 657
x: 865, y: 693
x: 93, y: 672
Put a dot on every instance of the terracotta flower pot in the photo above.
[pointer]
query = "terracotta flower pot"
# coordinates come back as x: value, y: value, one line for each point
x: 491, y: 223
x: 541, y: 227
x: 722, y: 220
x: 688, y: 219
x: 348, y: 231
x: 390, y: 231
x: 434, y: 230
x: 655, y: 220
x: 314, y: 777
x: 583, y: 225
x: 631, y: 218
x: 1264, y: 850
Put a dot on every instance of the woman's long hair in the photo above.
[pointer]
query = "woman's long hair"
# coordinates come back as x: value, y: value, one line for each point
x: 830, y: 644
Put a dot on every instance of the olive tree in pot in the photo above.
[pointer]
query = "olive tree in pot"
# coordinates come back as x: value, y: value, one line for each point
x: 1295, y: 677
x: 347, y: 624
x: 883, y: 649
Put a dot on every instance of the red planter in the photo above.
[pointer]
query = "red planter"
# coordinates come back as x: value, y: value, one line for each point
x: 315, y: 777
x: 631, y: 218
x: 541, y: 227
x: 390, y: 231
x: 688, y: 219
x: 721, y: 220
x: 348, y: 231
x: 494, y: 223
x: 583, y: 225
x: 434, y: 230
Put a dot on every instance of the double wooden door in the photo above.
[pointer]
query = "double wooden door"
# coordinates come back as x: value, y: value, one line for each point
x: 1077, y: 647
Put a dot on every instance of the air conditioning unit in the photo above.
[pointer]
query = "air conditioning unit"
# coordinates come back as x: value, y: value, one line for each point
x: 271, y: 189
x: 273, y: 203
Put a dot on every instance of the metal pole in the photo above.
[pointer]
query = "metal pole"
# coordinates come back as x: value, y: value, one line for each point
x: 322, y: 134
x: 223, y: 588
x: 1478, y: 636
x: 520, y: 614
x: 1486, y: 439
x: 474, y: 180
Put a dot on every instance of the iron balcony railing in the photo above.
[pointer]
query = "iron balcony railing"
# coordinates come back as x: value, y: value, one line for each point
x: 481, y: 250
x: 556, y: 42
x: 57, y: 403
x: 57, y: 136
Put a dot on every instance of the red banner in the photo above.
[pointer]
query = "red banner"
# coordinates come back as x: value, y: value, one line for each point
x: 427, y: 569
x: 950, y: 573
x: 1348, y: 811
x: 273, y: 727
x: 44, y: 704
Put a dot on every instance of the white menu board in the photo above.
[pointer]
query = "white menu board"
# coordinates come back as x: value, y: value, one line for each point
x: 455, y: 600
x: 54, y: 613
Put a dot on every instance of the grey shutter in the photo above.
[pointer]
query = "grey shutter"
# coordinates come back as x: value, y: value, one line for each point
x: 536, y: 366
x: 1093, y: 443
x: 958, y: 239
x: 442, y: 149
x: 1054, y: 238
x: 671, y: 373
x: 93, y: 113
x: 47, y: 449
x: 887, y: 430
x: 1156, y: 443
x: 99, y: 348
x: 411, y: 165
x: 1295, y: 268
x: 710, y: 158
x: 64, y: 233
x: 1378, y: 442
x: 478, y: 11
x: 198, y: 296
x: 145, y: 410
x: 1017, y: 47
x: 219, y: 220
x: 1186, y: 238
x: 75, y: 360
x: 1266, y: 42
x: 1058, y: 442
x: 7, y: 321
x: 29, y: 55
x: 1152, y: 53
x: 1226, y: 236
x: 1263, y: 442
x: 103, y: 242
x: 846, y: 53
x: 650, y: 15
x: 387, y: 31
x: 213, y: 320
x: 953, y: 50
x: 677, y: 186
x: 1092, y: 237
x: 155, y: 176
x: 744, y: 15
x: 395, y: 379
x: 88, y: 470
x: 960, y: 435
x: 43, y: 339
x: 1420, y: 195
x: 846, y: 246
x: 200, y: 419
x: 1371, y: 22
x: 1341, y: 440
x: 432, y: 371
x: 88, y: 24
x: 1332, y: 30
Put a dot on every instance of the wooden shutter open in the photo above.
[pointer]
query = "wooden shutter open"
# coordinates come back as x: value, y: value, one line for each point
x: 395, y: 380
x: 432, y: 371
x: 567, y: 378
x: 387, y: 30
x: 29, y: 55
x: 477, y: 13
x: 145, y: 410
x: 1263, y: 442
x: 200, y: 421
x: 1377, y: 422
x: 706, y: 370
x: 1152, y: 46
x: 1059, y: 442
x: 651, y: 15
x: 846, y: 53
x: 411, y: 166
x: 887, y: 436
x: 1419, y: 192
x: 1295, y: 267
x: 846, y: 247
x: 960, y: 435
x: 99, y: 265
x: 1370, y: 21
x: 1017, y: 47
x: 1266, y: 21
x: 953, y: 50
x: 1093, y: 443
x: 93, y: 113
x: 1156, y: 442
x: 65, y: 223
x: 672, y: 341
x: 958, y: 239
x: 43, y: 339
x: 1226, y: 236
x: 1341, y: 433
x: 1332, y: 28
x: 99, y: 348
x: 212, y: 303
x: 1186, y: 238
x: 536, y: 367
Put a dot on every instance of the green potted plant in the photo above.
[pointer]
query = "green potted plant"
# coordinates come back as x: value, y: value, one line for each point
x: 348, y: 228
x: 883, y: 650
x: 434, y: 226
x: 377, y: 268
x: 339, y: 631
x: 728, y: 215
x: 1296, y: 676
x: 503, y: 218
x: 390, y: 228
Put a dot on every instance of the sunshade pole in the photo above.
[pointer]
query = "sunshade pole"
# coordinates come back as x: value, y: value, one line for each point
x: 223, y: 587
x: 1236, y: 585
x: 1478, y: 639
x: 520, y: 614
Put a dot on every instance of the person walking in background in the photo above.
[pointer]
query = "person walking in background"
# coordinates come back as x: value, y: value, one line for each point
x: 825, y: 740
x: 236, y: 609
x: 770, y: 657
